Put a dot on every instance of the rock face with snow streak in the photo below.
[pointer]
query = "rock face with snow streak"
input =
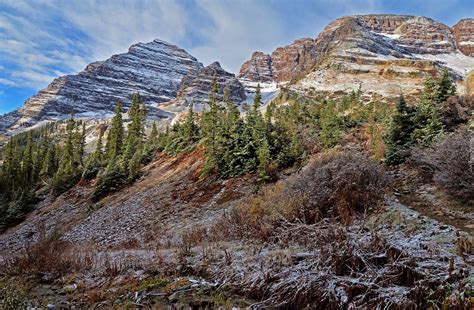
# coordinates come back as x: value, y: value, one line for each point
x: 383, y: 54
x: 463, y: 32
x: 196, y: 86
x: 153, y: 69
x: 285, y: 64
x: 294, y: 60
x: 258, y: 68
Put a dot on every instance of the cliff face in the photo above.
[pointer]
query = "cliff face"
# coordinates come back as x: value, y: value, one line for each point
x: 152, y: 69
x: 285, y: 63
x: 382, y: 54
x: 463, y: 32
x: 196, y: 86
x: 257, y: 68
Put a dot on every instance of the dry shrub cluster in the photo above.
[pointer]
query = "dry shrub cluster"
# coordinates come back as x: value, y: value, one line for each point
x: 449, y: 164
x: 49, y: 257
x: 338, y: 186
x: 335, y: 186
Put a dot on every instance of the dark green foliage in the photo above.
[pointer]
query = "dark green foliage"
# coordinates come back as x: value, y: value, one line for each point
x: 398, y: 136
x: 22, y: 158
x: 114, y: 144
x: 110, y: 180
x: 182, y: 137
x: 330, y: 125
x: 123, y: 160
x: 444, y: 87
x: 136, y: 129
x: 69, y: 171
x: 420, y: 124
x: 151, y: 145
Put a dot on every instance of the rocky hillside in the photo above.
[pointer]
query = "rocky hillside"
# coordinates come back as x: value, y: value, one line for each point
x: 152, y: 69
x: 384, y: 54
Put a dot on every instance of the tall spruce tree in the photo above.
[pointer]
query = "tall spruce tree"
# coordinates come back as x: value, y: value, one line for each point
x: 136, y: 129
x: 210, y: 127
x: 445, y: 87
x: 398, y: 136
x: 68, y: 173
x: 114, y: 144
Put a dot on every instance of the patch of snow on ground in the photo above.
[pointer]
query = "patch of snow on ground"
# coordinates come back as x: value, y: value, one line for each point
x: 457, y: 61
x: 268, y: 90
x: 389, y: 35
x: 92, y: 114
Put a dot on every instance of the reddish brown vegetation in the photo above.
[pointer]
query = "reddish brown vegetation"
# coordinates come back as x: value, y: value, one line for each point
x: 334, y: 186
x: 49, y: 257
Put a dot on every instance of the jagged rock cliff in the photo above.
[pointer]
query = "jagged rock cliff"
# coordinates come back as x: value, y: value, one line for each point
x: 153, y: 69
x: 383, y: 54
x: 196, y: 86
x: 463, y: 32
x: 285, y: 63
x: 258, y: 68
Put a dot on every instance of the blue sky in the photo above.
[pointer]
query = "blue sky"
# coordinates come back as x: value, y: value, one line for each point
x: 40, y: 40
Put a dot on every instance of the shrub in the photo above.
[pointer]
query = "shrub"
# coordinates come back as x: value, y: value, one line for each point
x: 110, y: 181
x: 338, y: 185
x: 48, y: 256
x: 335, y: 185
x: 448, y: 164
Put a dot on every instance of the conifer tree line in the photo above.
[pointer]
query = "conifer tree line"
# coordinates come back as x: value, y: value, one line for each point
x: 418, y: 124
x: 39, y: 161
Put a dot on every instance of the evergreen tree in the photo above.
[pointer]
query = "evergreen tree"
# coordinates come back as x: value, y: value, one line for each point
x: 27, y: 162
x: 330, y: 125
x: 210, y: 126
x: 152, y: 143
x: 136, y: 129
x: 68, y: 173
x: 114, y: 144
x: 50, y: 163
x: 80, y: 145
x: 398, y: 136
x: 445, y: 87
x: 264, y: 160
x: 190, y: 128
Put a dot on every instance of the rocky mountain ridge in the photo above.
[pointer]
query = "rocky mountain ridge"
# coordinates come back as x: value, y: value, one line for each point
x: 196, y: 86
x: 153, y: 69
x: 379, y: 53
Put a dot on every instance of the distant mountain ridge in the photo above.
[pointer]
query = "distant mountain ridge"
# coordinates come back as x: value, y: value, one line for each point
x: 380, y: 53
x: 153, y: 69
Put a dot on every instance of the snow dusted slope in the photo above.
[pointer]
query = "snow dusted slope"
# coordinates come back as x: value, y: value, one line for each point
x: 152, y: 69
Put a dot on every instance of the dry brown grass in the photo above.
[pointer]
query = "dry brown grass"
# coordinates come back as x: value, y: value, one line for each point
x: 49, y: 257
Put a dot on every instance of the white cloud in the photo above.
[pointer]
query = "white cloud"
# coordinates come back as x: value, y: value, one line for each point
x: 240, y: 27
x: 115, y: 25
x: 39, y: 39
x: 7, y: 82
x: 33, y: 76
